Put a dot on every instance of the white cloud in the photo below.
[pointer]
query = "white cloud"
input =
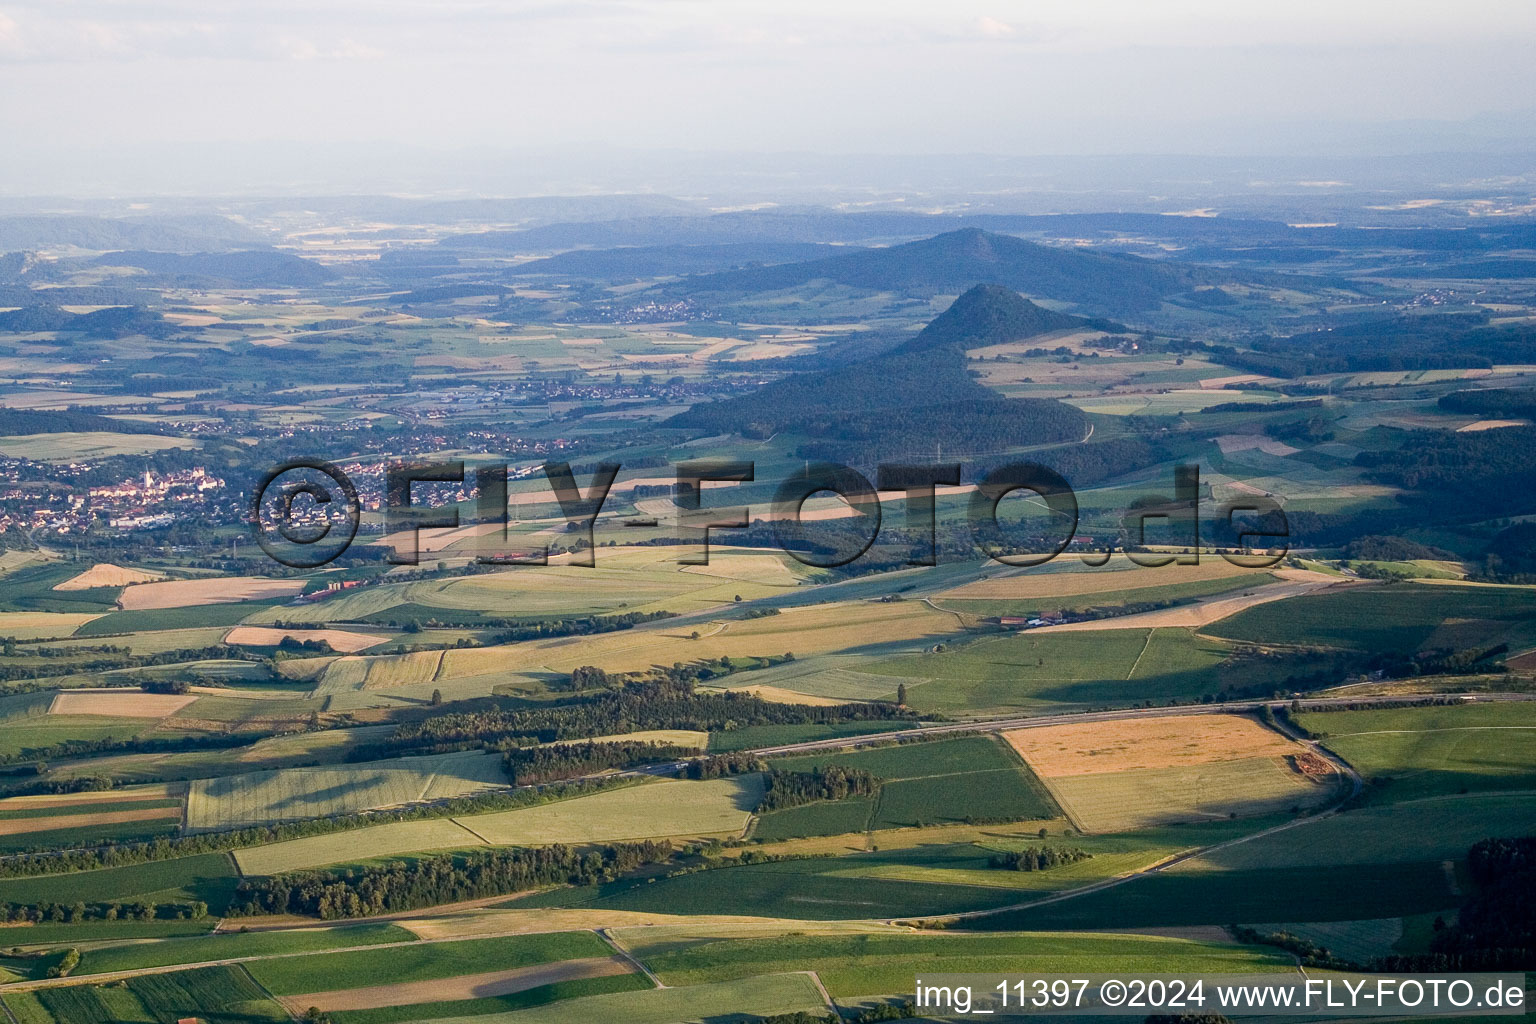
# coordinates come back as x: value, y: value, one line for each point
x: 990, y: 26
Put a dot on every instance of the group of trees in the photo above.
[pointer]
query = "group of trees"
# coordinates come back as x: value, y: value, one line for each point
x: 824, y: 782
x: 69, y: 913
x: 1037, y: 858
x: 534, y: 765
x: 448, y: 878
x: 587, y: 625
x: 1495, y: 930
x: 660, y: 703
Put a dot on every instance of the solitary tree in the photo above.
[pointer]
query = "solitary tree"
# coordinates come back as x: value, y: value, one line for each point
x: 901, y: 694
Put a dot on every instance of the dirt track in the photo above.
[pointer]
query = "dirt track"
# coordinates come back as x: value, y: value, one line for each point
x: 464, y: 986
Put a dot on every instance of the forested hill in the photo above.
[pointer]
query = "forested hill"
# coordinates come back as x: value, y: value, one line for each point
x: 990, y: 314
x: 910, y: 400
x: 1103, y: 282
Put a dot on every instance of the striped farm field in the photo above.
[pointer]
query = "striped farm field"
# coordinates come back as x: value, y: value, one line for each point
x: 382, y: 673
x: 1123, y: 801
x: 649, y: 811
x: 287, y: 794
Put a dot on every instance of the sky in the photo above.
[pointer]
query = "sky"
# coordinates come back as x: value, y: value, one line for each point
x: 83, y: 80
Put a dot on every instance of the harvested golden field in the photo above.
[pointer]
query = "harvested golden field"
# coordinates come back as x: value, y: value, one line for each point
x: 215, y: 590
x: 1095, y: 748
x: 119, y: 703
x: 20, y: 826
x: 462, y: 986
x: 41, y: 625
x: 1123, y: 801
x: 339, y: 639
x: 105, y: 574
x: 1120, y: 574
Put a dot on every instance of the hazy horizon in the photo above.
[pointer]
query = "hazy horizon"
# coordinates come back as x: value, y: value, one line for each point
x: 168, y: 97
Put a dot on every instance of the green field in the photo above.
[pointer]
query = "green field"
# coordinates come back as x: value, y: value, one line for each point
x: 1108, y: 599
x: 1167, y: 899
x: 422, y: 961
x: 217, y: 995
x: 1430, y: 829
x: 1401, y: 617
x: 478, y: 1008
x: 1040, y: 671
x: 209, y: 877
x: 927, y: 783
x: 732, y: 1002
x: 883, y: 964
x: 1409, y: 753
x: 229, y: 945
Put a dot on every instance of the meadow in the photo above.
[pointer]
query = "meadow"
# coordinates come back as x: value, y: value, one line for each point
x: 208, y: 877
x: 1404, y: 617
x: 1030, y: 671
x: 1411, y: 753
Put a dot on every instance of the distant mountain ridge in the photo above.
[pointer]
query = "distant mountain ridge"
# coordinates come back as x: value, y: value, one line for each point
x: 1106, y: 282
x: 258, y: 268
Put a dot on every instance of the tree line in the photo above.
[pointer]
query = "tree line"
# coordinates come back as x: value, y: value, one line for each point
x: 446, y: 878
x: 638, y: 706
x: 112, y: 855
